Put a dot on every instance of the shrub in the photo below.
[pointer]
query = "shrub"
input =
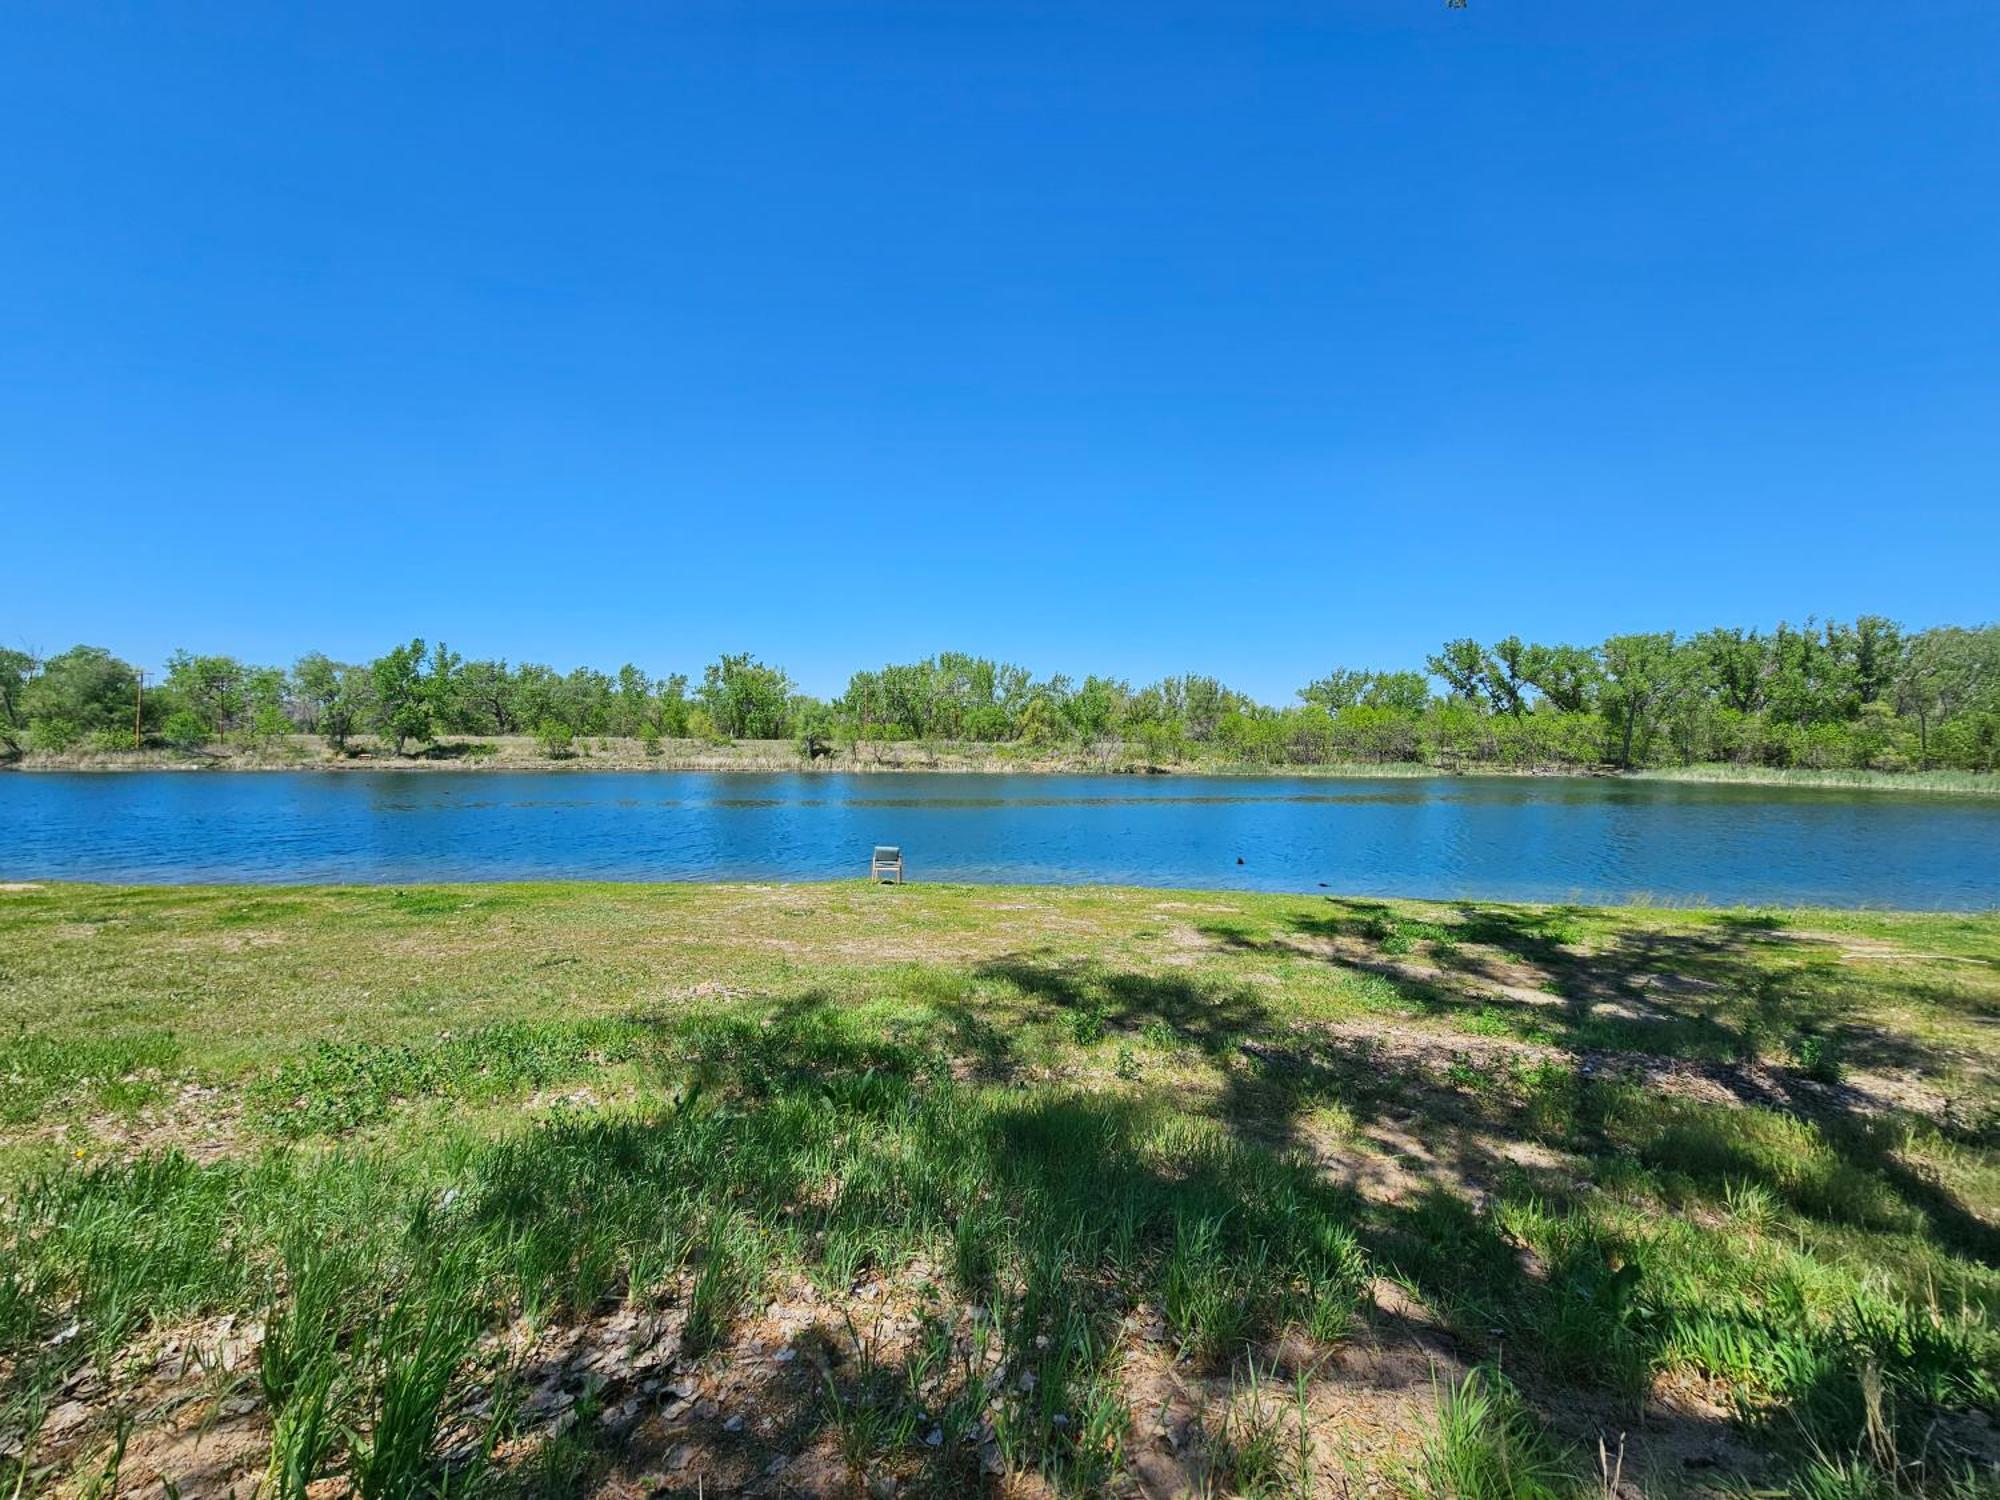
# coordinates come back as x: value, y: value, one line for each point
x: 1818, y: 1057
x: 52, y: 736
x: 184, y: 730
x: 554, y: 740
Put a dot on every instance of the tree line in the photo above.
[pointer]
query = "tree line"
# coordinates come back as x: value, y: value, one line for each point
x: 1823, y: 695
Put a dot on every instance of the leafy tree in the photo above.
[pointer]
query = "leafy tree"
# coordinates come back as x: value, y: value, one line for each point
x: 1040, y: 723
x: 211, y: 688
x: 815, y: 727
x: 185, y: 730
x: 1737, y: 665
x: 1639, y: 681
x: 1339, y: 689
x: 264, y: 697
x: 1878, y: 649
x: 441, y: 686
x: 1566, y: 676
x: 1092, y: 709
x: 1506, y: 680
x: 632, y: 712
x: 85, y: 688
x: 16, y: 668
x: 1811, y: 676
x: 1397, y: 692
x: 330, y: 699
x: 403, y: 704
x: 485, y: 698
x: 745, y: 699
x: 670, y: 702
x: 1463, y: 668
x: 315, y: 681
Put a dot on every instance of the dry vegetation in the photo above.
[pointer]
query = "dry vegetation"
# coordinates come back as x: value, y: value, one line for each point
x: 837, y: 1189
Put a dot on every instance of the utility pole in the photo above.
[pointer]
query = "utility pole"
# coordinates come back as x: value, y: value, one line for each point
x: 138, y: 706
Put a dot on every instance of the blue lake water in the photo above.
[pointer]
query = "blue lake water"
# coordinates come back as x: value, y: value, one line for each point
x: 1499, y: 837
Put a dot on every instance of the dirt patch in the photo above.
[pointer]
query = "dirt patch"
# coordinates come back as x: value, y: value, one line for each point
x: 205, y: 1124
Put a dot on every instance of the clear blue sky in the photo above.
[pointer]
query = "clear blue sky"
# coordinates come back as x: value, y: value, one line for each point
x: 1239, y: 336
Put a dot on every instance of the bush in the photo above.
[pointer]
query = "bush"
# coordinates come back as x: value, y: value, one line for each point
x: 649, y: 741
x: 555, y: 740
x: 184, y: 731
x: 52, y: 736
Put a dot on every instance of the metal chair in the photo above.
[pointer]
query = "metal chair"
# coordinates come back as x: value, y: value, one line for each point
x: 887, y: 865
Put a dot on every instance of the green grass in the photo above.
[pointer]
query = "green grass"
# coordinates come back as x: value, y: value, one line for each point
x: 991, y: 1155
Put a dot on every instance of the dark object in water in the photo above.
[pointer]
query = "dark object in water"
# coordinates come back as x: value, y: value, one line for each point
x: 1239, y: 859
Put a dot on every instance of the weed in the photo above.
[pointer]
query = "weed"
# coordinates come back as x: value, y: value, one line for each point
x: 1486, y: 1446
x: 413, y: 1355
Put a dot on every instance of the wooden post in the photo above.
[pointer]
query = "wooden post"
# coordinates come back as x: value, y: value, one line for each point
x: 138, y: 705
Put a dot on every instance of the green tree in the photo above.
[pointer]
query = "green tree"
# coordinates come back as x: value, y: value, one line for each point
x: 402, y: 708
x: 745, y: 699
x: 1736, y: 665
x: 1640, y: 673
x: 330, y: 699
x: 485, y: 698
x: 16, y: 668
x: 1463, y: 668
x: 264, y: 706
x: 1566, y: 676
x: 1340, y: 688
x: 815, y: 727
x: 1397, y: 692
x: 211, y: 688
x: 670, y: 702
x: 632, y: 710
x: 1506, y: 680
x: 83, y: 691
x: 441, y: 688
x: 1878, y: 653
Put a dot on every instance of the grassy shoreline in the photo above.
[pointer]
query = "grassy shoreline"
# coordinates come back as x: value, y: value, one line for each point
x: 1016, y: 1190
x: 518, y: 753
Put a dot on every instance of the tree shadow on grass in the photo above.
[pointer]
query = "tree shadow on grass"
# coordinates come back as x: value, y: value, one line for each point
x: 1212, y: 1016
x: 1067, y: 1214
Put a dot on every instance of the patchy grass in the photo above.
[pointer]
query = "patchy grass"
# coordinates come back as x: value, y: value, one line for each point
x: 1952, y: 783
x: 577, y: 1189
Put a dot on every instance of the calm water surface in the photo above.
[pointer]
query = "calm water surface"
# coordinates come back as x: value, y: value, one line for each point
x: 1590, y: 840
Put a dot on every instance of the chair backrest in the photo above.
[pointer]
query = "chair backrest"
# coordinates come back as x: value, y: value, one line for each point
x: 887, y: 854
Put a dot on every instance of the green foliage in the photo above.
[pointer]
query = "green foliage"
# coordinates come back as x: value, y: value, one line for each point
x: 1823, y: 697
x: 184, y: 730
x: 747, y: 700
x: 1488, y: 1446
x: 402, y: 703
x: 330, y: 699
x: 16, y: 669
x: 52, y: 736
x: 210, y: 690
x: 84, y: 691
x: 336, y: 1086
x: 916, y: 1127
x: 108, y: 1067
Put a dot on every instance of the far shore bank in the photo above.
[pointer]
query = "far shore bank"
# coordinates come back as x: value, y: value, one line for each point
x: 521, y: 754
